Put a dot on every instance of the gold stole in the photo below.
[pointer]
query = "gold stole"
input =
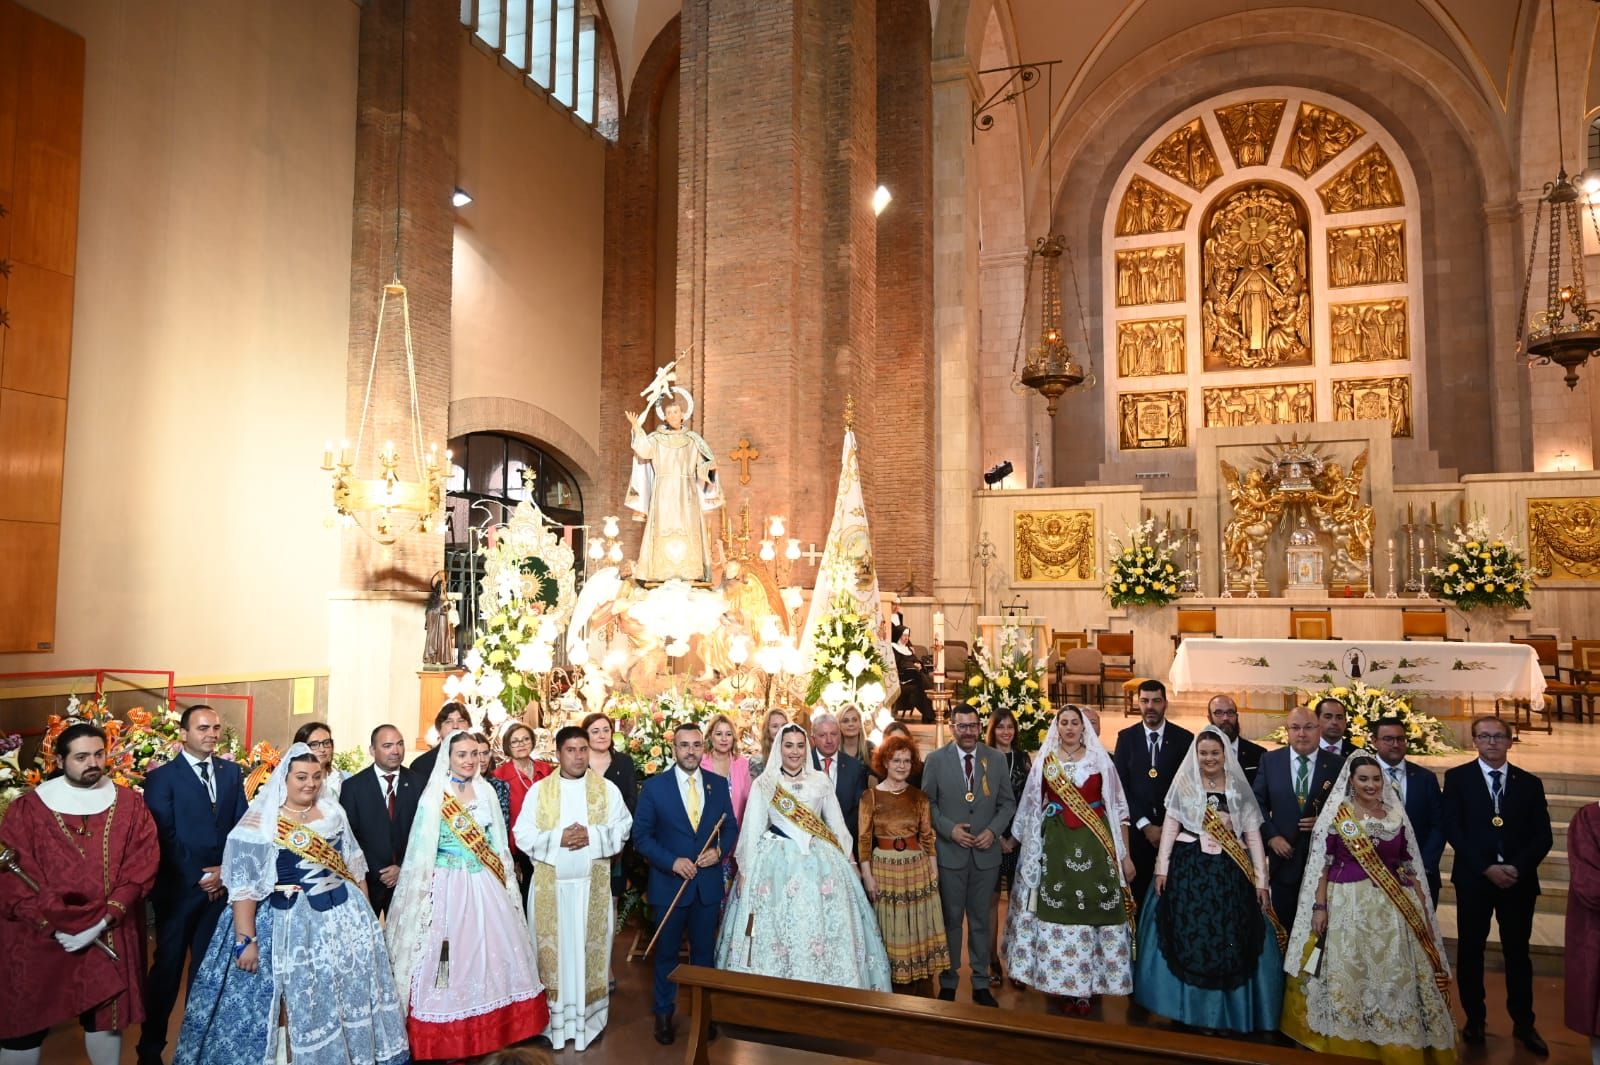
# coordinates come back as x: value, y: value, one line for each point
x: 1061, y: 783
x: 805, y: 817
x: 310, y: 845
x: 1233, y: 847
x: 546, y: 798
x: 465, y: 828
x: 1361, y: 847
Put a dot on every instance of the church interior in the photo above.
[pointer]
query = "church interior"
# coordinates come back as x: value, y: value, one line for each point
x: 323, y: 324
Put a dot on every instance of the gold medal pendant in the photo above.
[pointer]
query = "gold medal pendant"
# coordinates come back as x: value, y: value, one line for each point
x: 1152, y: 774
x: 970, y: 796
x: 1497, y: 821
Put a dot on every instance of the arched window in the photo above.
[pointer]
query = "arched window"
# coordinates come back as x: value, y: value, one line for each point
x: 553, y: 43
x: 1594, y: 143
x: 490, y: 474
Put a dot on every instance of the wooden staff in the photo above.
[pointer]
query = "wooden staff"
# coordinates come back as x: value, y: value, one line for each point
x: 716, y: 828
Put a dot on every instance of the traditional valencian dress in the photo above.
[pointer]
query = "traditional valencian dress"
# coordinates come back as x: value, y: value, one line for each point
x: 322, y: 958
x: 799, y: 910
x: 672, y: 486
x: 1376, y: 989
x: 897, y: 844
x: 1067, y: 930
x: 569, y: 902
x: 1208, y: 955
x: 462, y: 958
x: 93, y: 853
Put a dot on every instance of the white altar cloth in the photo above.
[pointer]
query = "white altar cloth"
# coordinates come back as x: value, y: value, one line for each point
x: 1495, y: 670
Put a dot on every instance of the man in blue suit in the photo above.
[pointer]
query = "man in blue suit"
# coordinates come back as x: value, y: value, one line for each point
x: 1418, y: 790
x: 196, y: 800
x: 1292, y: 785
x: 672, y: 831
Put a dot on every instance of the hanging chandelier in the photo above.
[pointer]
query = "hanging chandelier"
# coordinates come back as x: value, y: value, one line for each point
x: 387, y: 504
x: 1566, y: 331
x: 1051, y: 370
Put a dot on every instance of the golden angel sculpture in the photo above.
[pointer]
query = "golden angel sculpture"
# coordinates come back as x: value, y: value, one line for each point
x: 1256, y: 509
x: 1340, y: 512
x: 674, y: 484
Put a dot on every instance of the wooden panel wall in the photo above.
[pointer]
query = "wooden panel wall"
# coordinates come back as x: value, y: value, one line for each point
x: 41, y: 130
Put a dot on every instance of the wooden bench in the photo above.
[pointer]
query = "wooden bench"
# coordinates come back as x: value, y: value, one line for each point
x: 957, y: 1030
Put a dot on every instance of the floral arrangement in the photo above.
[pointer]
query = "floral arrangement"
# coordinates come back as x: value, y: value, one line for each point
x: 845, y: 664
x: 1011, y: 680
x: 120, y: 765
x: 152, y: 738
x: 644, y: 726
x: 528, y: 592
x: 1143, y: 570
x: 1479, y: 569
x: 1368, y: 706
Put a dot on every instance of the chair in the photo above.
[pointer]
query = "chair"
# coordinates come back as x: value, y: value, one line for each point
x: 1423, y: 624
x: 1062, y: 642
x: 1116, y: 645
x: 1555, y: 688
x: 956, y: 654
x: 1195, y: 621
x: 1311, y: 625
x: 1586, y: 672
x: 1080, y: 667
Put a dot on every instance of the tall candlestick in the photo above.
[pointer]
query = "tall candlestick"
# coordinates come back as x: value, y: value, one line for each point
x: 938, y: 647
x: 1433, y: 511
x: 1188, y: 521
x: 1411, y: 514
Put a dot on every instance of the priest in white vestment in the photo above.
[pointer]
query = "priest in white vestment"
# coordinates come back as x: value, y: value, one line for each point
x: 571, y: 824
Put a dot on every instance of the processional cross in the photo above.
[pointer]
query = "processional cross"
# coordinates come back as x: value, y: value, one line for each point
x: 744, y: 455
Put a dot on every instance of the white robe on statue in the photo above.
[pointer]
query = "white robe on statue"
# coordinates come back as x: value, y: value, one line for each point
x: 573, y: 942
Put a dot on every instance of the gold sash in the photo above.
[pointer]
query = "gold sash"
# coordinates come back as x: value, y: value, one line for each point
x: 308, y: 844
x: 1061, y: 783
x: 1361, y: 847
x: 1234, y: 848
x: 785, y: 803
x: 546, y: 797
x: 465, y: 828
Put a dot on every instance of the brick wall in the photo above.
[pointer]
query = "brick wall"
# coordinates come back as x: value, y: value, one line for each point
x: 431, y: 44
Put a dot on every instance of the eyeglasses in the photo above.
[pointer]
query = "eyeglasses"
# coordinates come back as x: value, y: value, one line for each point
x: 1492, y: 737
x: 320, y: 745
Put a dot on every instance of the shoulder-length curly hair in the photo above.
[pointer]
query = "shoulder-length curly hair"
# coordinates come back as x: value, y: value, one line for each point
x: 892, y: 745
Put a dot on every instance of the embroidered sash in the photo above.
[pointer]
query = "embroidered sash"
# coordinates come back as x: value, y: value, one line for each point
x: 1233, y: 847
x: 306, y: 843
x: 1061, y: 783
x: 546, y: 797
x: 805, y: 817
x: 1361, y: 847
x: 465, y: 828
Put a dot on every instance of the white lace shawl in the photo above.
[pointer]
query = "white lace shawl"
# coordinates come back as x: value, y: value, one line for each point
x: 250, y: 855
x: 1028, y: 825
x: 1186, y: 799
x: 812, y: 787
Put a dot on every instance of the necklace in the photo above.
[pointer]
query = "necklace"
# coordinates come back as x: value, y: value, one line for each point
x: 1211, y: 785
x: 792, y: 776
x: 297, y: 813
x: 1077, y: 755
x: 525, y: 778
x: 893, y: 790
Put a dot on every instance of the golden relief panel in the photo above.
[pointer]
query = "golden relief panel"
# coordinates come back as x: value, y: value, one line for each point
x: 1369, y: 332
x: 1150, y: 275
x: 1256, y: 301
x: 1286, y: 404
x: 1564, y: 538
x: 1187, y: 156
x: 1367, y: 255
x: 1375, y: 399
x: 1318, y: 135
x: 1150, y: 348
x: 1152, y: 419
x: 1250, y: 128
x: 1370, y: 181
x: 1148, y: 209
x: 1054, y: 545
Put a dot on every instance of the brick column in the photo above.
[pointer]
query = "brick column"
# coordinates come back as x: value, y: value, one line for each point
x: 777, y: 245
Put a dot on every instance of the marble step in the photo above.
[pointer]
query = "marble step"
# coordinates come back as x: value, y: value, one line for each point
x: 1544, y: 947
x: 1552, y: 897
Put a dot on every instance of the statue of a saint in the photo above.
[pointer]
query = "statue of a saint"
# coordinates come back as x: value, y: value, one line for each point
x: 674, y: 483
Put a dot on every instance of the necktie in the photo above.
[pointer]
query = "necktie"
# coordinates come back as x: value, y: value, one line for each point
x: 211, y: 787
x: 827, y: 765
x: 692, y: 804
x: 388, y: 788
x: 1155, y: 748
x: 1394, y: 778
x: 969, y: 774
x: 1495, y: 789
x: 1302, y: 779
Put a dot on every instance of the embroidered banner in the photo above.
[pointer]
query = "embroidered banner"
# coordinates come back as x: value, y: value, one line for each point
x: 786, y: 804
x: 308, y: 844
x: 462, y: 825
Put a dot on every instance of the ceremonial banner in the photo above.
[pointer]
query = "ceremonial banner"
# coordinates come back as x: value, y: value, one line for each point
x: 1493, y: 670
x: 847, y: 567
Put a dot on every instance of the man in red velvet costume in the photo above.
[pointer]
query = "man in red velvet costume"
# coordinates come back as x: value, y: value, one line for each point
x: 91, y: 848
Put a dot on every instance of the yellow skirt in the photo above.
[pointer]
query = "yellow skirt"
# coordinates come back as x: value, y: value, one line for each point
x: 909, y: 914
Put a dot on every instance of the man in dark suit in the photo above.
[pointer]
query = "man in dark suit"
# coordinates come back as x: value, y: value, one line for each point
x: 196, y: 800
x: 1334, y: 720
x: 380, y: 802
x: 1496, y: 819
x: 1147, y: 758
x: 1223, y: 712
x: 450, y: 718
x: 1418, y: 790
x: 1291, y: 787
x: 847, y: 774
x: 672, y: 831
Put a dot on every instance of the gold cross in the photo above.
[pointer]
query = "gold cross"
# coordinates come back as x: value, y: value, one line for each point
x: 744, y: 455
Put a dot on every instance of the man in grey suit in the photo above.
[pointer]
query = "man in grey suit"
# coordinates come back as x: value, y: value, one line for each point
x: 969, y: 791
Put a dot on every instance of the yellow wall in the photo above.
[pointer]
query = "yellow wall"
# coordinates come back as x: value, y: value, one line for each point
x: 528, y: 251
x: 210, y: 334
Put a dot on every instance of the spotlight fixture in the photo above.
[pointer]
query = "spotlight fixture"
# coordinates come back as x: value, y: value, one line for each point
x: 997, y: 473
x: 880, y: 199
x: 461, y: 198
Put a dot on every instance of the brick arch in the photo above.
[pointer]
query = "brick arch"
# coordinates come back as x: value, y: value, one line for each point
x: 497, y: 414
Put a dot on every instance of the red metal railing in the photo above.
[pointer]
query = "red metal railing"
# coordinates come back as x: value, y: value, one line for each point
x: 173, y: 696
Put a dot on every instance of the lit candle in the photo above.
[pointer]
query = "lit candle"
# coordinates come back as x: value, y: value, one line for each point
x: 938, y: 647
x: 344, y: 452
x: 327, y: 455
